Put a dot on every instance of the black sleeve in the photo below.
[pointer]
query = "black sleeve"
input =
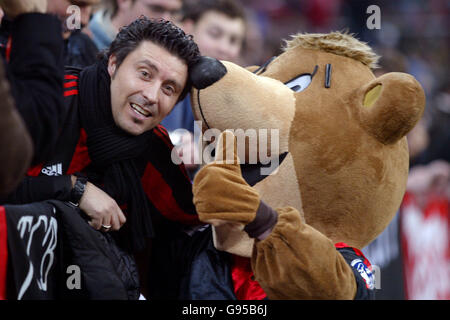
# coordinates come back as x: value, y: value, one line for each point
x: 15, y: 142
x: 80, y: 50
x: 35, y: 189
x: 36, y: 70
x: 365, y: 281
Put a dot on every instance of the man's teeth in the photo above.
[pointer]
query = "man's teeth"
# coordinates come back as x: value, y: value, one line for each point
x: 138, y: 109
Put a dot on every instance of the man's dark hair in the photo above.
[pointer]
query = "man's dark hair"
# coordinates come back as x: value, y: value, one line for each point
x: 160, y: 32
x: 194, y: 10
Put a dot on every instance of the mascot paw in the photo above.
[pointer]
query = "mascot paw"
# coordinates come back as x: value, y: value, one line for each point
x: 220, y: 192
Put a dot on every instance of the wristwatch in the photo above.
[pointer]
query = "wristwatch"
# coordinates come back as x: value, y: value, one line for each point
x: 78, y: 189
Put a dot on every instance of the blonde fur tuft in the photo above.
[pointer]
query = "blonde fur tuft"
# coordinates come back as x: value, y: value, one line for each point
x: 342, y: 44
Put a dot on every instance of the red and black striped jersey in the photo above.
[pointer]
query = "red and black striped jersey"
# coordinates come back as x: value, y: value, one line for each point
x: 166, y: 184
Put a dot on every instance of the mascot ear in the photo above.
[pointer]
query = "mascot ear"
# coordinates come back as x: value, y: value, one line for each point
x: 391, y: 105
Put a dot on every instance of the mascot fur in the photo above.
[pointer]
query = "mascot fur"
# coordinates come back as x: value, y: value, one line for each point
x: 343, y: 164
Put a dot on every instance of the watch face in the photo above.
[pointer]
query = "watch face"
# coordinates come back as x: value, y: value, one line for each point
x: 78, y: 189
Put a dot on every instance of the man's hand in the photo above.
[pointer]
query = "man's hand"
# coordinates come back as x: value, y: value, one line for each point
x: 13, y: 8
x: 220, y: 192
x: 187, y: 149
x: 101, y: 208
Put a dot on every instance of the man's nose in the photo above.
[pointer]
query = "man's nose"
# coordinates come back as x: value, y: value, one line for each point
x: 150, y: 93
x: 206, y: 72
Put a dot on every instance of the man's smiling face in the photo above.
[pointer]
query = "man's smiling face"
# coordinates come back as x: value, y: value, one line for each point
x: 145, y: 87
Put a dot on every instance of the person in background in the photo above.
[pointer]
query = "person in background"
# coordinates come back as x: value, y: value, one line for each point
x: 79, y: 50
x: 74, y: 15
x: 115, y: 14
x: 219, y: 28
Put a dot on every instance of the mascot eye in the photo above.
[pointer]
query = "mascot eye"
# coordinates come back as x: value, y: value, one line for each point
x: 300, y: 83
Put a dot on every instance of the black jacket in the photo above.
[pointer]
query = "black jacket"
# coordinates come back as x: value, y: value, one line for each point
x: 50, y: 246
x: 79, y: 50
x: 35, y: 67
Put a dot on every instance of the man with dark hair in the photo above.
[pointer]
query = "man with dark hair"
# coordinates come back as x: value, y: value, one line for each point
x: 114, y: 108
x: 112, y: 154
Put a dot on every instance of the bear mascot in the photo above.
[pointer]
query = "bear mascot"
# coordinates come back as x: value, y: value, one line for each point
x: 327, y: 174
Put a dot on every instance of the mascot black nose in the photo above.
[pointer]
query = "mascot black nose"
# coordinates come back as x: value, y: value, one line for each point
x: 206, y: 72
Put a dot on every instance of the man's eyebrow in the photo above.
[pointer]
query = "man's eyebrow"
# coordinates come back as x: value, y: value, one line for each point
x: 152, y: 66
x: 215, y: 25
x: 177, y: 86
x: 149, y: 64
